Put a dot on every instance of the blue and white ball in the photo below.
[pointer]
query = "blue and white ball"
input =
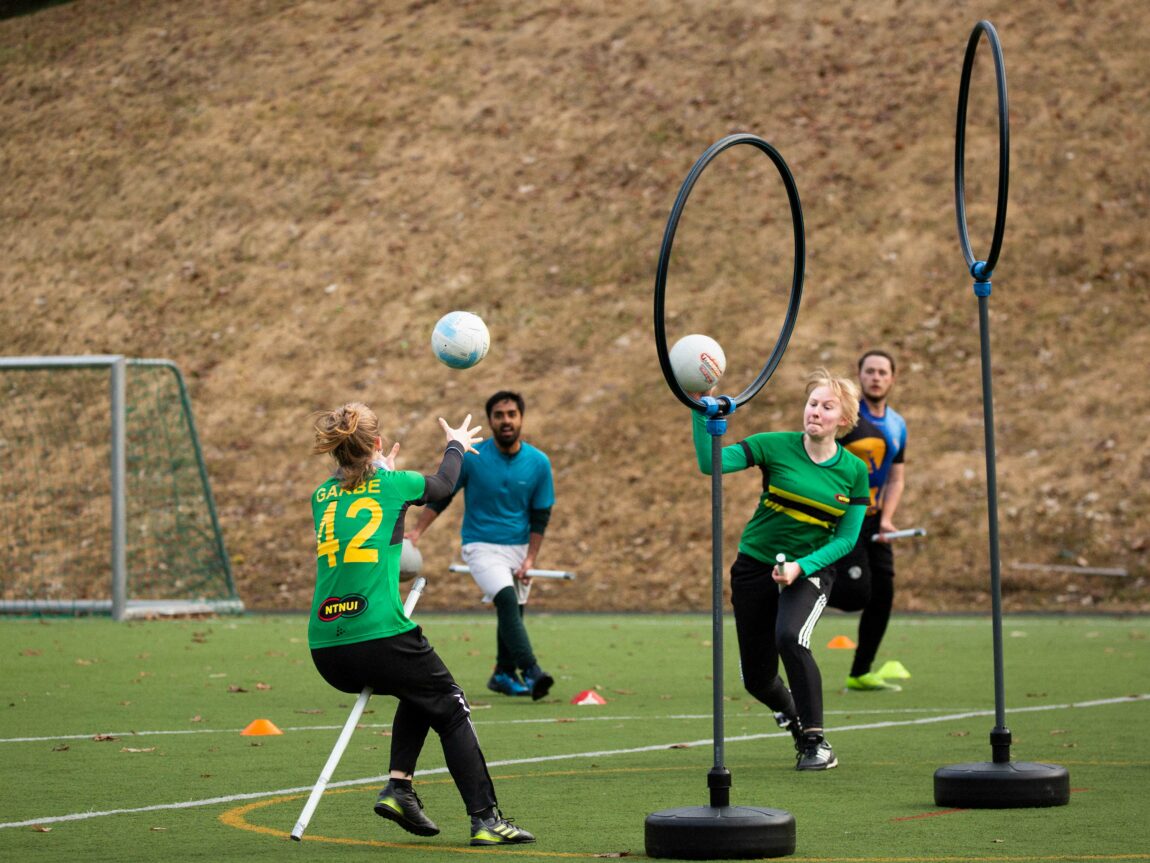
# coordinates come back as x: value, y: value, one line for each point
x: 460, y: 340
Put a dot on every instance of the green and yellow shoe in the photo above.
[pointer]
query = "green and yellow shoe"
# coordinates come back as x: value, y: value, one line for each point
x: 402, y: 805
x: 497, y: 830
x: 871, y: 682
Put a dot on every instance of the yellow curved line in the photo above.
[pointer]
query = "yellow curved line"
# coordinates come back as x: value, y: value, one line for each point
x: 236, y: 817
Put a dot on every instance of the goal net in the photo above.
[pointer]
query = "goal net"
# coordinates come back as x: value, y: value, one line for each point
x: 105, y: 501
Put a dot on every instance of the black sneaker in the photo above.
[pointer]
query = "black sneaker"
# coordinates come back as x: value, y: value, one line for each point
x: 538, y: 681
x: 791, y: 724
x: 403, y: 806
x: 816, y: 754
x: 497, y: 830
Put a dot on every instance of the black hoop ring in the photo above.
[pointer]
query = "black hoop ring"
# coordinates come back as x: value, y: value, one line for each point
x: 665, y: 260
x: 981, y: 270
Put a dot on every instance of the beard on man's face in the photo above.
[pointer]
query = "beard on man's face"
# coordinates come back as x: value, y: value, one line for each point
x: 506, y: 434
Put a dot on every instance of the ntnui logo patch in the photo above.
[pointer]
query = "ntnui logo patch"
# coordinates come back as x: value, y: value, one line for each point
x: 335, y: 607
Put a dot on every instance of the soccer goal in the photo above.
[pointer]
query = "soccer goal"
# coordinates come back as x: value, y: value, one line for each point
x: 105, y: 501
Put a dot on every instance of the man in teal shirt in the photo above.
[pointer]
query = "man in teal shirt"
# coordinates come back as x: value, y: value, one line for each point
x: 508, y: 492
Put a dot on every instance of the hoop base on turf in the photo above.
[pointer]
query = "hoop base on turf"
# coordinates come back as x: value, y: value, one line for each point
x: 719, y: 833
x: 1009, y: 785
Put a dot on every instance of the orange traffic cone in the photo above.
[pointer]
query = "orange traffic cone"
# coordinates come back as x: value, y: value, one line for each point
x: 841, y: 642
x: 260, y: 727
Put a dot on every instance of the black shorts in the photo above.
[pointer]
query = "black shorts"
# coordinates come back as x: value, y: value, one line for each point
x: 858, y: 568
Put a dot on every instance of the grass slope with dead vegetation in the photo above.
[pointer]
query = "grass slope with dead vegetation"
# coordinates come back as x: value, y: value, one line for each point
x: 283, y: 196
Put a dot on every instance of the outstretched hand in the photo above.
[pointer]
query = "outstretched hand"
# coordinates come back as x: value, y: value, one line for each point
x: 388, y: 461
x: 464, y: 435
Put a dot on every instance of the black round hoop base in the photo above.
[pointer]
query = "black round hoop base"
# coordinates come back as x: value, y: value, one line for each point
x: 1009, y: 785
x: 719, y: 833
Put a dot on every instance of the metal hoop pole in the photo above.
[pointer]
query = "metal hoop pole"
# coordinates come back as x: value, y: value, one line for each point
x: 992, y: 515
x: 1000, y: 737
x: 717, y: 409
x: 719, y: 779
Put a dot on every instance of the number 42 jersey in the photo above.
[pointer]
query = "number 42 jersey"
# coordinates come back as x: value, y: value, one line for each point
x: 359, y: 536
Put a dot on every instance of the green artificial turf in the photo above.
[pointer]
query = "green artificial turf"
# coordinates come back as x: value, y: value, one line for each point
x: 174, y: 696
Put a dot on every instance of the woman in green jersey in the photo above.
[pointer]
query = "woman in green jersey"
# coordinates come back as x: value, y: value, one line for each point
x: 814, y: 497
x: 358, y: 633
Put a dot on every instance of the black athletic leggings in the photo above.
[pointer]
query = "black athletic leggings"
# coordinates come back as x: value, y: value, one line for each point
x: 407, y: 667
x: 866, y: 583
x: 773, y: 625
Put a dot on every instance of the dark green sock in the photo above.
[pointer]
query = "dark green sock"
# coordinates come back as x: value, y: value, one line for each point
x: 511, y: 634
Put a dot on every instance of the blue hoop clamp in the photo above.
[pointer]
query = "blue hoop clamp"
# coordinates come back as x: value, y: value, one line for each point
x: 981, y: 273
x: 717, y: 410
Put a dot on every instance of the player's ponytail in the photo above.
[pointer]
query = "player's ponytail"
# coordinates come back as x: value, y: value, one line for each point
x: 349, y: 434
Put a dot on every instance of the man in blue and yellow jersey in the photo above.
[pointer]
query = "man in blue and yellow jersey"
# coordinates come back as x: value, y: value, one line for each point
x: 866, y: 575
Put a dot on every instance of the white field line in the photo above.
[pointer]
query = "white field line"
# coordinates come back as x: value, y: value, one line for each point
x: 136, y: 735
x: 602, y: 753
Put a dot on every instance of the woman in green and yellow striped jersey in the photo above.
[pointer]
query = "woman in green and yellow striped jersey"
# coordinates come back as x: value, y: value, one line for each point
x: 814, y: 497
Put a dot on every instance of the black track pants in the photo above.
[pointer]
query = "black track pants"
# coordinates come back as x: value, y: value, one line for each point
x: 407, y: 667
x: 866, y: 582
x: 771, y: 626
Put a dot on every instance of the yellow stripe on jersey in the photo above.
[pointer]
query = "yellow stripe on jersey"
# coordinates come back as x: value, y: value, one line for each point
x: 802, y: 509
x: 796, y: 514
x: 835, y: 511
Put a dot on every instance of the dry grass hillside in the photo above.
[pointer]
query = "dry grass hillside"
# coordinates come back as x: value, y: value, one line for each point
x: 282, y: 196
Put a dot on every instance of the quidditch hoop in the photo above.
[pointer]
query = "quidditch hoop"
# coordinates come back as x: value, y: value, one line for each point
x: 784, y: 337
x: 982, y: 269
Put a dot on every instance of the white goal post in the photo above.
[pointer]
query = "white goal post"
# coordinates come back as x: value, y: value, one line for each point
x: 104, y: 494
